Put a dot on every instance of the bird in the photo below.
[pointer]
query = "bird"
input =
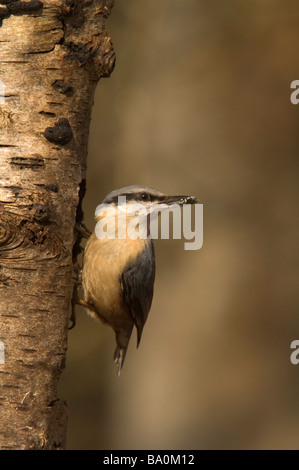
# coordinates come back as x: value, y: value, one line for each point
x: 118, y: 270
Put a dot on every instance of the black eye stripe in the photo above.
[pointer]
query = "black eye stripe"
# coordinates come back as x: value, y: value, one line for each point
x: 142, y: 197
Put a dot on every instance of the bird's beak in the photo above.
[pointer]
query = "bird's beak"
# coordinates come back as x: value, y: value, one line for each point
x: 180, y: 200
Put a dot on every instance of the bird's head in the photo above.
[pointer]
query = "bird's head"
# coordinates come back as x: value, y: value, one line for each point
x: 137, y: 201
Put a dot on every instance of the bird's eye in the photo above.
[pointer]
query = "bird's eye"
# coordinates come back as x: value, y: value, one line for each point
x: 144, y: 197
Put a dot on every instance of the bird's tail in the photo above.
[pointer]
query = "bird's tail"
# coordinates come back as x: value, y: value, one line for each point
x: 122, y: 342
x: 119, y: 358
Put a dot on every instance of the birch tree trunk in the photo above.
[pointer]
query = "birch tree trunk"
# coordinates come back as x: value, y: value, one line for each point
x: 52, y: 54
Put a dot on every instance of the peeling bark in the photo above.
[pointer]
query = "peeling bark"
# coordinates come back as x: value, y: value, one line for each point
x: 52, y: 55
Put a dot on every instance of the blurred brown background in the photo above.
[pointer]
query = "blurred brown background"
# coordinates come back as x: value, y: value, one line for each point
x: 199, y: 103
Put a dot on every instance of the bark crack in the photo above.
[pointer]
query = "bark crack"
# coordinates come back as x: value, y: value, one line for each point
x: 13, y: 7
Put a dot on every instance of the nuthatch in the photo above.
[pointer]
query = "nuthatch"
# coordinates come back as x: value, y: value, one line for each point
x: 119, y: 272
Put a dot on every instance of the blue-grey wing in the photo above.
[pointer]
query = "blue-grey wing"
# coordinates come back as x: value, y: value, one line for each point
x: 138, y: 285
